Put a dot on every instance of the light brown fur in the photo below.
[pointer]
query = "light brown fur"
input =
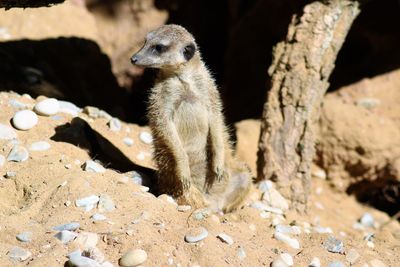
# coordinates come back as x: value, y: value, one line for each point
x: 191, y: 143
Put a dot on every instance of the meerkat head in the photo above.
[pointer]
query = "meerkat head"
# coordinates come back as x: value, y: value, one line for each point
x: 167, y: 47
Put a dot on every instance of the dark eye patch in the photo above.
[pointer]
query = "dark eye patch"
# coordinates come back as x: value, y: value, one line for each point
x: 159, y: 48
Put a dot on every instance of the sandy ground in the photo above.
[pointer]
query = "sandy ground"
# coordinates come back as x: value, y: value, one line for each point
x: 43, y: 192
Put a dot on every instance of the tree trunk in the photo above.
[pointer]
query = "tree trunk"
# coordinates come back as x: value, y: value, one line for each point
x: 299, y: 74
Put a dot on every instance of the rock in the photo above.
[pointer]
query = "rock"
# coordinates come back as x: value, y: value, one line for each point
x: 94, y: 253
x: 201, y: 214
x: 98, y: 217
x: 286, y: 229
x: 292, y: 242
x: 69, y: 108
x: 184, y: 208
x: 107, y: 264
x: 322, y: 230
x: 273, y: 198
x: 19, y: 254
x: 225, y: 238
x: 65, y: 236
x: 376, y: 263
x: 92, y: 166
x: 2, y: 160
x: 114, y: 124
x: 18, y: 154
x: 106, y: 204
x: 196, y: 235
x: 86, y: 240
x: 67, y: 226
x: 47, y: 107
x: 264, y: 186
x: 10, y: 174
x: 7, y: 133
x: 128, y: 141
x: 287, y: 258
x: 367, y: 220
x: 336, y: 264
x: 279, y: 263
x: 88, y: 202
x: 24, y: 119
x: 39, y: 146
x: 315, y: 262
x: 25, y: 237
x: 146, y: 137
x: 133, y: 258
x: 17, y: 104
x: 352, y: 256
x: 241, y: 253
x: 81, y: 261
x: 92, y: 112
x: 368, y: 102
x: 321, y: 174
x: 168, y: 199
x: 261, y: 206
x: 334, y: 245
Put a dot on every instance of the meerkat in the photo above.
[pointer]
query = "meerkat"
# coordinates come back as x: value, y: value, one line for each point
x: 191, y: 144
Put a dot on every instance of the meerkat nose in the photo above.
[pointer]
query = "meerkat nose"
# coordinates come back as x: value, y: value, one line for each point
x: 134, y: 59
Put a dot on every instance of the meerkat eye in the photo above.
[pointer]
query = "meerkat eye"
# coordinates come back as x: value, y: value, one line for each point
x: 159, y: 48
x: 188, y: 51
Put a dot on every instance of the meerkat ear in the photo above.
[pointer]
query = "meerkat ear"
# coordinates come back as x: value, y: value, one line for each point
x: 188, y: 51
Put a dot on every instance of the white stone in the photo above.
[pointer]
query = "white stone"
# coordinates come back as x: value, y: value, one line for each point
x: 106, y: 204
x: 47, y: 107
x: 2, y: 161
x: 321, y: 174
x: 6, y: 132
x: 19, y: 254
x: 128, y: 141
x: 146, y: 137
x: 196, y: 234
x: 367, y: 220
x: 39, y: 146
x: 265, y: 185
x: 88, y: 202
x: 114, y: 124
x: 352, y: 256
x: 315, y: 262
x: 184, y: 208
x: 18, y: 154
x: 279, y: 263
x: 241, y: 253
x: 65, y: 236
x: 133, y: 258
x: 24, y: 119
x: 92, y: 166
x: 25, y: 237
x: 287, y: 229
x: 287, y: 258
x: 273, y: 198
x: 98, y: 217
x: 87, y: 240
x: 69, y: 108
x: 292, y: 242
x: 225, y: 238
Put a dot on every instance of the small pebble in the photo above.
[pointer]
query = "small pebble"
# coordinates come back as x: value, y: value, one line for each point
x: 279, y: 263
x: 292, y: 242
x: 367, y: 220
x: 287, y: 258
x: 81, y: 261
x: 25, y: 237
x: 10, y: 175
x: 184, y: 208
x: 98, y: 217
x: 114, y: 124
x: 334, y: 245
x: 19, y: 254
x: 274, y: 199
x: 92, y: 166
x: 94, y: 253
x: 87, y: 202
x: 352, y: 256
x: 287, y: 229
x: 196, y: 234
x: 241, y: 253
x: 264, y: 186
x: 65, y: 236
x: 336, y: 264
x: 87, y: 240
x: 67, y: 226
x: 18, y: 154
x: 24, y: 119
x: 69, y: 108
x: 315, y: 262
x: 128, y: 141
x: 321, y: 174
x: 167, y: 198
x: 146, y: 137
x: 39, y: 146
x: 106, y: 204
x: 17, y: 104
x: 225, y: 238
x: 92, y: 112
x: 201, y: 214
x: 6, y: 132
x: 368, y: 102
x: 133, y: 258
x: 47, y: 107
x: 322, y: 230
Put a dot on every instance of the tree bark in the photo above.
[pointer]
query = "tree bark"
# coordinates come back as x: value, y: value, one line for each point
x: 299, y: 74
